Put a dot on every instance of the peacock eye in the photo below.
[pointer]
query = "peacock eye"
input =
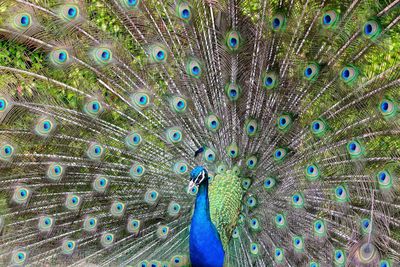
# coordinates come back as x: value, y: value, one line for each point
x: 330, y: 19
x: 193, y: 68
x: 21, y: 195
x: 280, y: 154
x: 55, y: 171
x: 278, y: 255
x: 6, y: 151
x: 349, y: 74
x: 372, y: 29
x: 178, y: 104
x: 102, y: 55
x: 140, y: 100
x: 107, y: 240
x: 4, y: 104
x: 311, y: 71
x: 246, y: 183
x: 117, y: 209
x: 251, y: 162
x: 136, y: 171
x: 100, y: 184
x: 93, y: 108
x: 95, y: 151
x: 388, y: 108
x: 183, y: 11
x: 158, y: 53
x: 341, y: 194
x: 22, y: 21
x: 233, y: 41
x: 339, y: 257
x: 298, y: 243
x: 319, y: 127
x: 232, y: 150
x: 254, y: 248
x: 72, y: 202
x: 44, y: 127
x: 133, y: 140
x: 355, y: 149
x: 270, y: 80
x: 180, y: 167
x: 366, y: 226
x: 174, y: 135
x: 384, y: 263
x: 269, y: 183
x: 163, y: 231
x: 298, y: 200
x: 18, y: 258
x: 68, y: 247
x: 209, y: 155
x: 284, y: 122
x: 232, y: 91
x: 312, y: 172
x: 151, y: 197
x: 90, y: 224
x: 278, y: 22
x: 173, y: 209
x: 59, y: 57
x: 319, y: 228
x: 251, y: 128
x: 213, y: 123
x: 385, y: 180
x: 130, y: 4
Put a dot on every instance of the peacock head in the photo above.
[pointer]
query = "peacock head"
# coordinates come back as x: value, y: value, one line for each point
x: 197, y: 176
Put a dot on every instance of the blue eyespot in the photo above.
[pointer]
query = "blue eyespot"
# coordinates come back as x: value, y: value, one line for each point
x: 160, y: 55
x: 95, y: 106
x: 384, y: 106
x: 345, y: 73
x: 195, y: 70
x: 311, y: 71
x: 105, y: 55
x: 339, y: 191
x: 276, y: 22
x: 185, y: 13
x: 132, y: 2
x: 330, y: 19
x: 327, y: 19
x: 62, y: 56
x: 338, y: 254
x: 25, y: 20
x: 372, y: 29
x: 102, y: 55
x: 72, y: 12
x: 308, y: 71
x: 7, y: 150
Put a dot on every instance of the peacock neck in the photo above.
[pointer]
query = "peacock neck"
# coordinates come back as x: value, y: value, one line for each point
x: 202, y: 207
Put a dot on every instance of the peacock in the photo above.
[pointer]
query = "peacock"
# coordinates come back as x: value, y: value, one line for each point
x: 202, y: 133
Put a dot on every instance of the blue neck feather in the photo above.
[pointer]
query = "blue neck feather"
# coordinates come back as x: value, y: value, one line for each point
x: 205, y: 245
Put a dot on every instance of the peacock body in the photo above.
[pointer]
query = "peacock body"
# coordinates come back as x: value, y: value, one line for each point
x: 199, y: 133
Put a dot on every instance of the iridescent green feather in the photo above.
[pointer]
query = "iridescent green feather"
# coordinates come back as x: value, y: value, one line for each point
x: 225, y: 195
